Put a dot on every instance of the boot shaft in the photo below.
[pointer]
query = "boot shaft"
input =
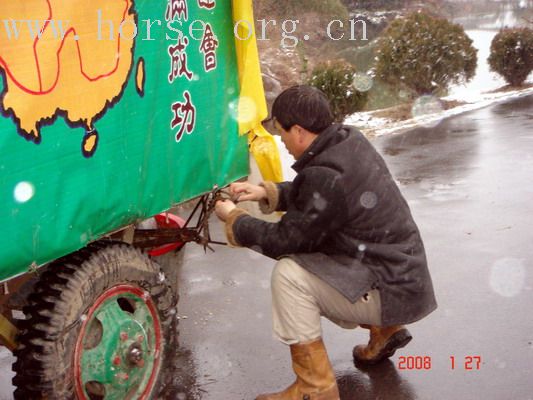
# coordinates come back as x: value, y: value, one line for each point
x: 312, y: 367
x: 315, y: 379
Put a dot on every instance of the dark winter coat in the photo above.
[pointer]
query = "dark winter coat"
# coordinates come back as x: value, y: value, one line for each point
x: 347, y: 222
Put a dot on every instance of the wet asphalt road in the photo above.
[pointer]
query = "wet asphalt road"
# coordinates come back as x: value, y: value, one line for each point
x: 469, y: 182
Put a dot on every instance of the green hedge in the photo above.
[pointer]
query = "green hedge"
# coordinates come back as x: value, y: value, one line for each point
x: 425, y: 53
x: 336, y: 79
x: 511, y: 54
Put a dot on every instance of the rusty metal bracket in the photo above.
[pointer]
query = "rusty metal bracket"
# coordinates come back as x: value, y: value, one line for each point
x: 200, y: 233
x: 8, y: 333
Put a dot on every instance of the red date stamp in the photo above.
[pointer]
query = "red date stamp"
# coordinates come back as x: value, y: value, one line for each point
x: 467, y: 363
x: 414, y: 362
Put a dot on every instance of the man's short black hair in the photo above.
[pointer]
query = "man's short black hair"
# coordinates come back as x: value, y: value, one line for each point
x: 303, y: 105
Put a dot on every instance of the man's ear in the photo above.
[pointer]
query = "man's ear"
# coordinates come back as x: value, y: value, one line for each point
x: 300, y: 132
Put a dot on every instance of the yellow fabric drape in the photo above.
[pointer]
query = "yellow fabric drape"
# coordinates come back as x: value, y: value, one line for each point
x: 252, y: 107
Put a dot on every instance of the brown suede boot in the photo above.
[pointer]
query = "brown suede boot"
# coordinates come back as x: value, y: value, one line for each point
x: 315, y: 379
x: 384, y: 341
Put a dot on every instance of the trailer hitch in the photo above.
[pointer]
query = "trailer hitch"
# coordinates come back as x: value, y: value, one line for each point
x: 200, y: 233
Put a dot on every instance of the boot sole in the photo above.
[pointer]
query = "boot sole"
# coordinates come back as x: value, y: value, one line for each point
x: 395, y: 342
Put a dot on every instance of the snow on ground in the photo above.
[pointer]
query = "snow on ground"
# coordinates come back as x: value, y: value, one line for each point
x: 478, y: 93
x: 484, y: 80
x: 381, y: 126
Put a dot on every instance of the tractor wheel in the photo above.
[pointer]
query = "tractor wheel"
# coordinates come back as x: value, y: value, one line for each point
x: 100, y: 324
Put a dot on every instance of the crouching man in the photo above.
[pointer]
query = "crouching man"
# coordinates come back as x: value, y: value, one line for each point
x: 347, y: 246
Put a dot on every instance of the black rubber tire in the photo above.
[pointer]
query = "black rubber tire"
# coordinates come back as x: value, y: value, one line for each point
x: 171, y: 263
x: 65, y: 291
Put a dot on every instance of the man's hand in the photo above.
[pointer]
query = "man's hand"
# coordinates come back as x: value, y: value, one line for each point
x: 223, y: 208
x: 244, y: 191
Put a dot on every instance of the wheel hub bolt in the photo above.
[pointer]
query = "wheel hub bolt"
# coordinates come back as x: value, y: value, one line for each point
x: 135, y: 355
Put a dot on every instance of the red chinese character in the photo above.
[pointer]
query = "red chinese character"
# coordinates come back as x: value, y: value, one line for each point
x: 210, y: 61
x: 209, y: 4
x: 178, y: 56
x: 208, y: 47
x: 176, y: 9
x: 184, y: 116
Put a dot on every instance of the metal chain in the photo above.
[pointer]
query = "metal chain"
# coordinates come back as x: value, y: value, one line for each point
x: 208, y: 207
x: 199, y: 234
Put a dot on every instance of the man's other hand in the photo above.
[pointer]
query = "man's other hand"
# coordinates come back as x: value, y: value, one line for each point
x: 244, y: 191
x: 223, y: 208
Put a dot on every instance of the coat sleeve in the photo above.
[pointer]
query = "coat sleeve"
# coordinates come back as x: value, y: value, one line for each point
x: 278, y: 195
x: 318, y: 209
x: 284, y: 190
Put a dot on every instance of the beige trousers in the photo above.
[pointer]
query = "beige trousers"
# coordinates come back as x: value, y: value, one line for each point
x: 300, y: 298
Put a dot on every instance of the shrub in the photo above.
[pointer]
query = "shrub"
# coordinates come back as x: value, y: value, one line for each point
x: 511, y: 54
x: 425, y: 53
x: 335, y: 79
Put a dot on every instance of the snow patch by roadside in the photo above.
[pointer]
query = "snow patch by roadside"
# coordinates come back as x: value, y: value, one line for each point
x: 477, y: 93
x: 374, y: 126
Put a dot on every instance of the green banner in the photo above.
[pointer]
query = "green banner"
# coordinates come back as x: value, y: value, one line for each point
x: 111, y: 111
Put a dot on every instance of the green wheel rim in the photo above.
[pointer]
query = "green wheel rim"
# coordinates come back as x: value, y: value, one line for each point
x: 118, y: 350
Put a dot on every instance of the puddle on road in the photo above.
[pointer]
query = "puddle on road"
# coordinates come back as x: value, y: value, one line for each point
x: 381, y: 381
x: 392, y: 151
x: 183, y: 382
x: 405, y: 181
x: 229, y: 282
x: 443, y: 191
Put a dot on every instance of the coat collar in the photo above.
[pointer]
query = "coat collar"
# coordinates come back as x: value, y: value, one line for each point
x: 324, y: 140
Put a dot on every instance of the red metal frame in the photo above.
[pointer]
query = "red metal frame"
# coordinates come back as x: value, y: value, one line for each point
x: 167, y: 220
